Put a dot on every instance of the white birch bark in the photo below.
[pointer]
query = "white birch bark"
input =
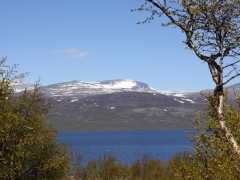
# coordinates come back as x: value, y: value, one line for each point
x: 224, y: 127
x: 216, y: 69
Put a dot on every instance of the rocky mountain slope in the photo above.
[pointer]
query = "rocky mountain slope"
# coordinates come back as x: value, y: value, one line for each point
x: 119, y: 104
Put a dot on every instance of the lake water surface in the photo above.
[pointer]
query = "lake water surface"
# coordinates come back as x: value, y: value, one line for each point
x: 127, y: 146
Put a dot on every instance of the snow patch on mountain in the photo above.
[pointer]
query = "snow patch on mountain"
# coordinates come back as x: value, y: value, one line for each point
x: 178, y: 100
x: 21, y: 86
x: 74, y: 100
x: 118, y: 84
x: 189, y: 100
x: 114, y: 84
x: 179, y: 95
x: 92, y: 88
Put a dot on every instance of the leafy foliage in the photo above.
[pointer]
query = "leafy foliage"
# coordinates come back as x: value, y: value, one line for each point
x: 213, y: 156
x: 107, y: 168
x: 211, y: 29
x: 28, y: 147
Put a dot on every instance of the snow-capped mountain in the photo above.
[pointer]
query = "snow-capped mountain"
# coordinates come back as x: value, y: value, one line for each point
x: 83, y: 88
x: 118, y: 104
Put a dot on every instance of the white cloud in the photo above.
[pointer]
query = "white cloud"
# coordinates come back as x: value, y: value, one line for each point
x: 73, y: 53
x: 139, y: 72
x: 56, y: 51
x: 79, y: 55
x: 73, y: 50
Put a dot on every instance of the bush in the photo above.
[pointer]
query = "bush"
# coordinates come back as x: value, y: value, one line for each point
x: 107, y: 168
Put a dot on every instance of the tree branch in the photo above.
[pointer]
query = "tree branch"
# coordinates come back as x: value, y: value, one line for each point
x: 164, y: 10
x: 230, y: 64
x: 238, y: 74
x: 204, y: 94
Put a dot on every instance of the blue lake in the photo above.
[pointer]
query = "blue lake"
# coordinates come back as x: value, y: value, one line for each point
x: 127, y: 146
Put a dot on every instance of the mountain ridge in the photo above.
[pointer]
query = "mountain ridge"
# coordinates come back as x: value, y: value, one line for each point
x: 101, y: 87
x: 120, y: 105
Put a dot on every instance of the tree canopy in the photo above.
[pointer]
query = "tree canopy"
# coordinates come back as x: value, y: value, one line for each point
x: 211, y: 29
x: 213, y: 156
x: 28, y: 146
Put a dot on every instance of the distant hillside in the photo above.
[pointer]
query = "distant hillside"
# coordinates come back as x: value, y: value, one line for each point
x: 120, y: 105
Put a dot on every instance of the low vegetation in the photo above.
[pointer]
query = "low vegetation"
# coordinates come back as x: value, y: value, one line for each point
x: 107, y: 168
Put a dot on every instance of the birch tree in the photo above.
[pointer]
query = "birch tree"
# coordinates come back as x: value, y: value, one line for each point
x: 28, y: 145
x: 211, y: 29
x: 213, y: 156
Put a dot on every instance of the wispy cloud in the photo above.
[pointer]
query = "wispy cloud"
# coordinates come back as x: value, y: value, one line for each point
x: 78, y: 55
x: 73, y: 50
x: 73, y: 53
x: 139, y: 72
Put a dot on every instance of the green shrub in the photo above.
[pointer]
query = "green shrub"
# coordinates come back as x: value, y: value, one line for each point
x: 213, y: 157
x: 28, y: 146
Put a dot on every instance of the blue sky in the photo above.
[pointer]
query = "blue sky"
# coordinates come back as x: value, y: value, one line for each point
x: 66, y: 40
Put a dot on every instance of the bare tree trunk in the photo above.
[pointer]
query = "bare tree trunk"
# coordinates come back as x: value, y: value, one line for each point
x: 223, y: 124
x: 217, y: 102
